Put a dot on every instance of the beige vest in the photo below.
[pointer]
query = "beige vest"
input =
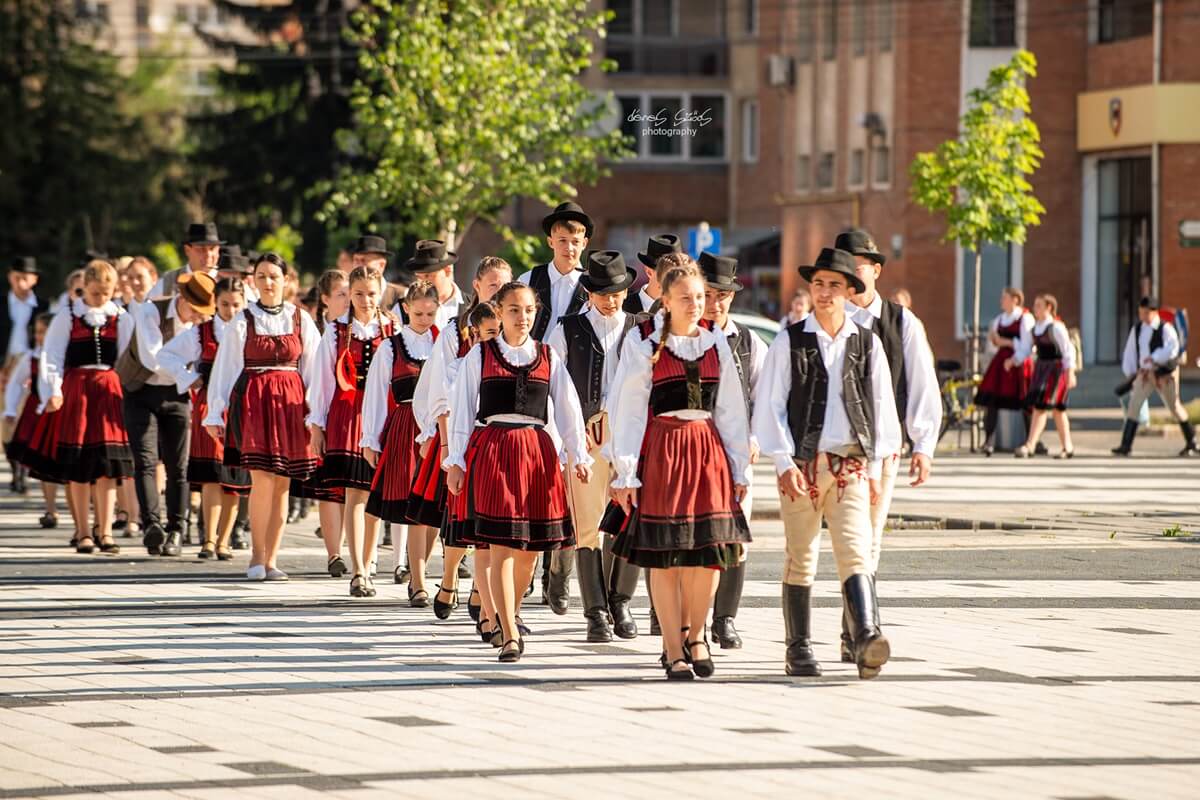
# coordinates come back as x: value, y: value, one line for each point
x: 129, y: 366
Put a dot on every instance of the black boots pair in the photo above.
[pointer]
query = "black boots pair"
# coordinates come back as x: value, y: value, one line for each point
x: 725, y: 607
x: 863, y: 643
x: 606, y: 603
x: 1130, y: 431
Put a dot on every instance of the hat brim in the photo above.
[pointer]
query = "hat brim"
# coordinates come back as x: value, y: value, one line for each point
x: 878, y: 258
x: 205, y: 241
x: 26, y: 270
x: 418, y: 267
x: 733, y: 286
x: 855, y: 282
x: 630, y: 276
x: 564, y: 216
x: 385, y: 253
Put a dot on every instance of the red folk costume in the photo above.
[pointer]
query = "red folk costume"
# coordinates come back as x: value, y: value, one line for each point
x: 397, y: 440
x: 21, y: 448
x: 1050, y: 386
x: 1001, y: 387
x: 206, y: 457
x: 86, y: 440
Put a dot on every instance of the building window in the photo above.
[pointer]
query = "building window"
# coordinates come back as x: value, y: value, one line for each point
x: 102, y: 13
x: 750, y: 131
x: 857, y: 176
x: 858, y: 33
x: 622, y: 21
x: 751, y: 8
x: 1125, y: 19
x: 675, y: 126
x: 805, y: 39
x: 181, y: 12
x: 829, y: 29
x: 881, y: 165
x: 142, y: 13
x: 803, y: 173
x: 883, y: 25
x: 643, y: 17
x: 825, y: 171
x: 993, y: 23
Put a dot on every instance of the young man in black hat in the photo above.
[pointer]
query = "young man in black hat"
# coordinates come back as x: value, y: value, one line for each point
x: 556, y: 284
x: 432, y: 262
x: 645, y: 301
x: 157, y: 414
x: 16, y: 332
x: 826, y: 416
x: 202, y: 248
x: 749, y: 353
x: 589, y: 344
x: 233, y: 263
x: 1151, y: 363
x: 914, y: 380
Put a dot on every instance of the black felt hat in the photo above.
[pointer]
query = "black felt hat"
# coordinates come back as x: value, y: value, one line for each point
x: 430, y: 255
x: 27, y: 264
x: 835, y: 260
x: 370, y: 244
x: 568, y: 211
x: 720, y: 272
x: 658, y: 246
x: 860, y: 243
x: 607, y: 273
x: 202, y: 233
x: 232, y: 259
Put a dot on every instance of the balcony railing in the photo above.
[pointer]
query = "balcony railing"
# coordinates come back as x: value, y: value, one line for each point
x: 653, y: 55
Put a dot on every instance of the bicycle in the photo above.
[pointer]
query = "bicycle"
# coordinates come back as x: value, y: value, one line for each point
x: 958, y: 401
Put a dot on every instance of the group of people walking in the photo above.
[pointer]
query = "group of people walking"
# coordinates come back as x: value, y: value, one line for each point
x: 559, y: 419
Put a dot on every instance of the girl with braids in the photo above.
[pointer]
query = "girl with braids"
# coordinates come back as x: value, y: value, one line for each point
x: 502, y: 457
x: 681, y: 455
x: 339, y: 377
x: 427, y: 504
x: 260, y: 375
x: 333, y: 297
x: 389, y: 427
x: 189, y: 356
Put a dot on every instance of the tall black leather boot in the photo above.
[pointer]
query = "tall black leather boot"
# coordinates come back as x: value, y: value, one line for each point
x: 797, y: 626
x: 558, y: 587
x: 591, y: 589
x: 725, y: 607
x: 622, y: 583
x: 1189, y: 436
x: 871, y: 648
x: 1127, y: 435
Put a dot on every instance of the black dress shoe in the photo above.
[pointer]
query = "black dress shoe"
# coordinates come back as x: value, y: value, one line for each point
x: 725, y: 633
x: 237, y: 539
x: 443, y: 610
x: 172, y: 545
x: 598, y: 630
x: 153, y: 537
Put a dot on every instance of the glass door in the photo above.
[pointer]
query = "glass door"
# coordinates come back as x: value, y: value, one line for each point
x: 1124, y: 271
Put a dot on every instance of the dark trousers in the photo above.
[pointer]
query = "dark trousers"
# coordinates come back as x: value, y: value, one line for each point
x: 158, y: 420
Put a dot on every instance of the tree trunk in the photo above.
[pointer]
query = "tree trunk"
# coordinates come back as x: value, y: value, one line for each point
x: 975, y: 335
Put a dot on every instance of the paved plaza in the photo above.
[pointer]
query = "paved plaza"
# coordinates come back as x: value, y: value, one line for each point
x: 1049, y: 652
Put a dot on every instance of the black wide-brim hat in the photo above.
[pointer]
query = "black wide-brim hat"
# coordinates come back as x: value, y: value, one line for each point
x: 720, y: 272
x: 607, y: 273
x: 202, y: 233
x: 659, y: 246
x: 835, y: 260
x: 858, y: 242
x: 370, y: 244
x: 26, y: 264
x: 430, y: 255
x: 568, y: 211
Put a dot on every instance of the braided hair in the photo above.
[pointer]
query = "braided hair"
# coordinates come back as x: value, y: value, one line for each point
x: 670, y: 274
x: 325, y: 284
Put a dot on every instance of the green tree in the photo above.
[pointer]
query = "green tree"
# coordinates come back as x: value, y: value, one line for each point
x: 980, y: 181
x: 461, y: 107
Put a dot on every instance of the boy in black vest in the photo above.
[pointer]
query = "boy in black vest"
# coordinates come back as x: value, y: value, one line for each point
x: 825, y: 414
x: 589, y: 343
x: 1151, y: 363
x: 749, y: 353
x: 556, y: 284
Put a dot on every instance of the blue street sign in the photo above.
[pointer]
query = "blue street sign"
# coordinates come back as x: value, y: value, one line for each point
x: 702, y: 238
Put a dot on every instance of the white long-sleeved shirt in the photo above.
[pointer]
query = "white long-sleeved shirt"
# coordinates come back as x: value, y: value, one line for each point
x: 1061, y: 337
x: 148, y: 330
x: 563, y: 409
x: 379, y: 383
x: 230, y: 355
x: 629, y: 404
x: 435, y: 387
x: 179, y: 357
x: 322, y: 384
x: 1022, y: 345
x: 923, y: 415
x: 775, y: 386
x: 18, y: 382
x: 52, y: 366
x: 562, y: 288
x: 1138, y: 354
x: 19, y: 313
x: 608, y: 332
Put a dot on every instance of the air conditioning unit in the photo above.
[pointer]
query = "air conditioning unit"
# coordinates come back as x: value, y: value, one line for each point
x: 781, y: 70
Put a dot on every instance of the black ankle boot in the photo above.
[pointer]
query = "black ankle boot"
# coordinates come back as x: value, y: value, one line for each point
x: 591, y: 589
x: 725, y: 607
x: 559, y: 585
x: 797, y: 620
x: 1189, y: 436
x: 622, y: 583
x: 871, y: 648
x: 1127, y: 435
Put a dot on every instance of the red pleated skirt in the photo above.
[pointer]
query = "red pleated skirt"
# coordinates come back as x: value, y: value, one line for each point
x: 1050, y: 386
x: 397, y: 467
x: 427, y: 498
x: 35, y: 442
x: 515, y: 493
x: 23, y: 431
x: 206, y: 454
x: 1004, y: 388
x: 343, y: 466
x: 265, y: 429
x: 90, y: 439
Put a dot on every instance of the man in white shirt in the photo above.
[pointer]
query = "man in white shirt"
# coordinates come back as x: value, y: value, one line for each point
x: 1151, y: 363
x: 432, y: 262
x: 157, y: 414
x: 643, y: 301
x: 202, y: 248
x: 556, y: 284
x: 825, y: 414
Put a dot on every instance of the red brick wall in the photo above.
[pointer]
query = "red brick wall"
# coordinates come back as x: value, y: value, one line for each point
x: 1125, y: 63
x: 1181, y: 32
x: 1180, y: 277
x: 670, y: 194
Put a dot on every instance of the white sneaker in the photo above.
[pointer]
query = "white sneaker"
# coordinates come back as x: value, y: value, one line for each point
x: 274, y: 574
x: 256, y: 572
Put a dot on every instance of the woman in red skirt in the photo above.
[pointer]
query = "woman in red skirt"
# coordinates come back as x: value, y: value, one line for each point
x: 681, y: 454
x: 339, y: 377
x: 24, y: 379
x: 389, y: 428
x: 189, y: 357
x: 427, y: 505
x: 87, y: 442
x: 502, y: 457
x: 260, y: 376
x: 1053, y: 377
x: 1006, y: 381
